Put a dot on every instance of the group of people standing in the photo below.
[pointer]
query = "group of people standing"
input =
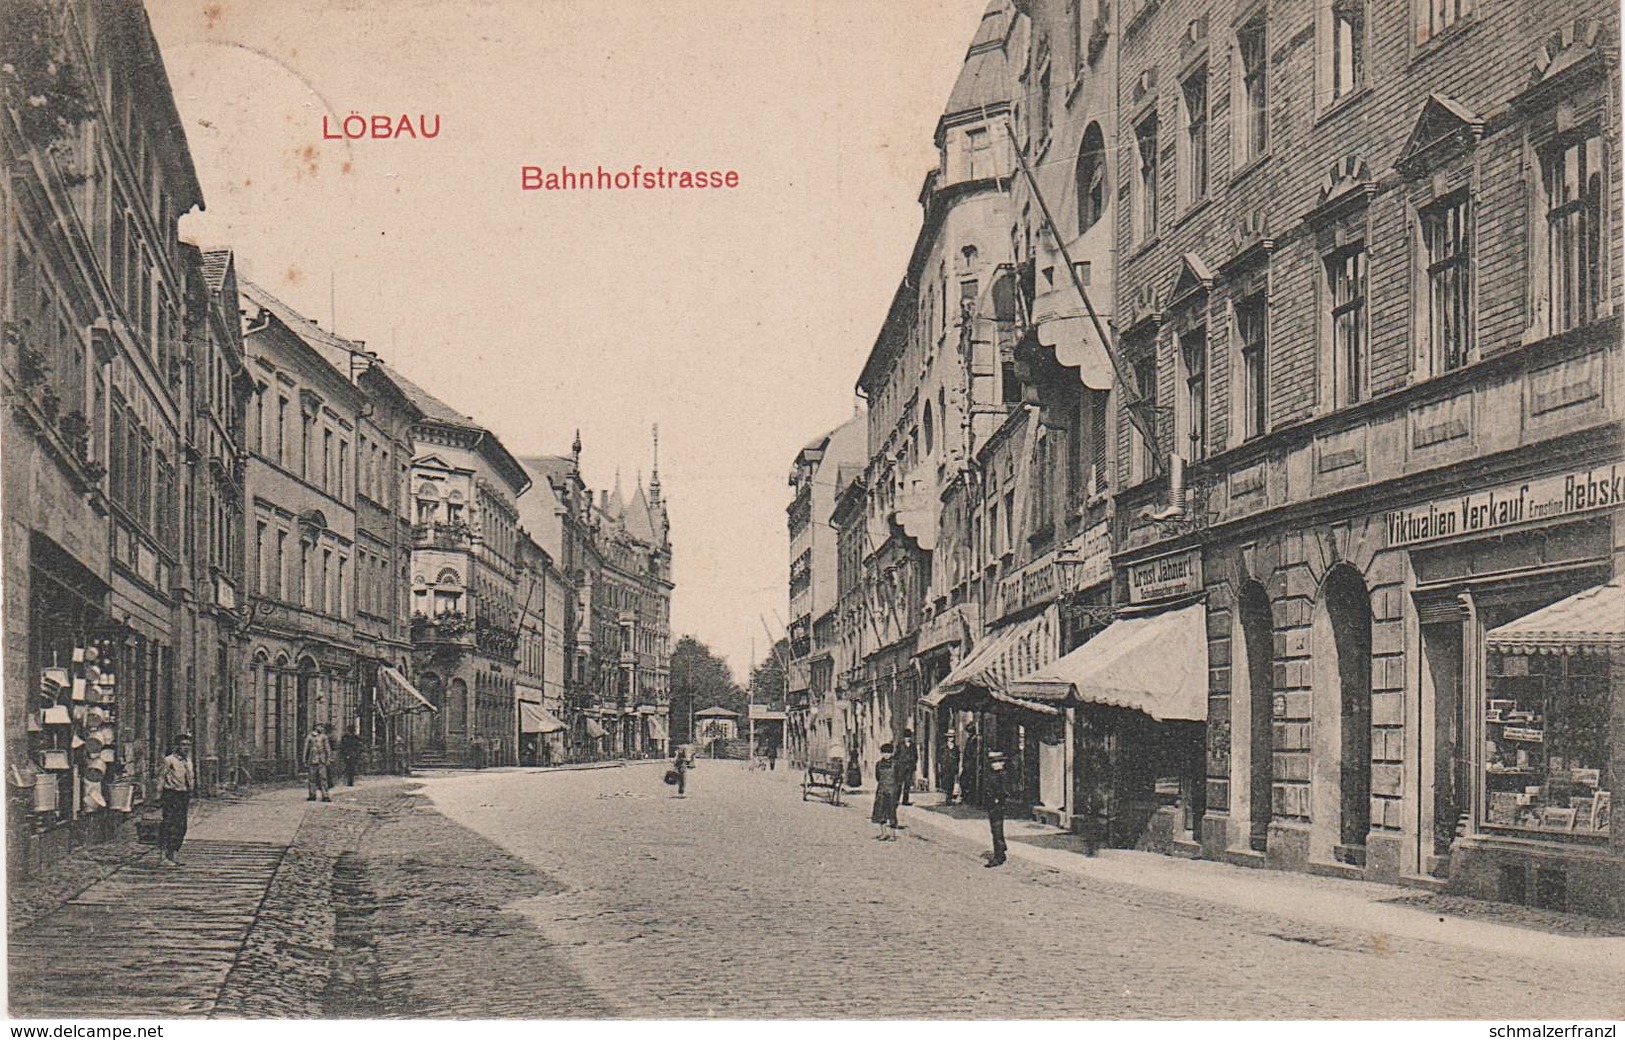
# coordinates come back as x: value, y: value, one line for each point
x: 894, y: 781
x: 321, y: 752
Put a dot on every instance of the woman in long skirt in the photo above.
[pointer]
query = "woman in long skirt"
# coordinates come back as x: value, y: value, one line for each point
x: 885, y: 810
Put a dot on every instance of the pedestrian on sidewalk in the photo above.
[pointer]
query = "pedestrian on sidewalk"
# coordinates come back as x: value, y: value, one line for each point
x: 772, y: 757
x: 681, y: 765
x: 349, y: 755
x: 968, y: 788
x: 948, y: 768
x: 995, y: 794
x: 908, y: 760
x: 885, y: 808
x: 177, y: 783
x: 318, y: 759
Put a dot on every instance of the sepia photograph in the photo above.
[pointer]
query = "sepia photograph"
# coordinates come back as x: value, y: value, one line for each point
x: 785, y: 512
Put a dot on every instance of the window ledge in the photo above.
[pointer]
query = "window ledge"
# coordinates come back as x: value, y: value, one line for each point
x: 1343, y: 104
x: 1421, y: 51
x: 1145, y: 247
x: 1193, y: 209
x: 1247, y: 168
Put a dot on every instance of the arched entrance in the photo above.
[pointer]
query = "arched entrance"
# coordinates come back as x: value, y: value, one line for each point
x: 434, y: 688
x: 457, y: 713
x: 1256, y: 685
x: 305, y: 695
x: 1342, y: 718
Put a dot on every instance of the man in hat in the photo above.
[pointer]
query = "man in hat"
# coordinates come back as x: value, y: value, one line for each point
x: 994, y: 792
x: 177, y: 782
x: 948, y: 768
x: 908, y: 760
x: 318, y: 758
x: 350, y: 755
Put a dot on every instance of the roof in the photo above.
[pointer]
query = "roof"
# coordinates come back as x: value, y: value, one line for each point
x: 1587, y: 621
x: 716, y: 711
x: 984, y: 79
x: 432, y: 407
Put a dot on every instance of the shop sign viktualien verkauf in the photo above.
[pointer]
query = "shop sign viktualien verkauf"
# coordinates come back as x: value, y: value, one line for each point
x: 1166, y: 577
x: 1481, y: 512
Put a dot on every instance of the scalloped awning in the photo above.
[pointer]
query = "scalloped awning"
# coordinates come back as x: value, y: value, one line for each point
x: 1076, y: 346
x: 1590, y: 621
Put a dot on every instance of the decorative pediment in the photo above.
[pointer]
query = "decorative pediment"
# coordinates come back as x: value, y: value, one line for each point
x: 1565, y: 48
x: 313, y: 519
x: 1143, y: 307
x: 1347, y: 184
x: 433, y: 462
x: 1250, y: 238
x: 1443, y: 129
x: 1144, y: 84
x: 1194, y: 277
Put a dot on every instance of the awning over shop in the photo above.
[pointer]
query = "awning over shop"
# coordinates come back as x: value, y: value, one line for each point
x: 1589, y: 621
x: 594, y: 729
x: 397, y: 695
x: 1001, y: 659
x: 658, y: 730
x: 1076, y: 344
x: 533, y: 718
x: 1156, y: 664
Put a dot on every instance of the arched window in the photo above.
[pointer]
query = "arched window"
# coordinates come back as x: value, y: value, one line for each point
x: 930, y: 430
x: 1091, y: 178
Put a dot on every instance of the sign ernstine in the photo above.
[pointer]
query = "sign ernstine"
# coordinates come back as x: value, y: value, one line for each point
x: 1484, y: 511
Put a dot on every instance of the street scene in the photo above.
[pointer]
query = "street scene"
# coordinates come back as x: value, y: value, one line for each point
x: 450, y: 896
x: 944, y: 509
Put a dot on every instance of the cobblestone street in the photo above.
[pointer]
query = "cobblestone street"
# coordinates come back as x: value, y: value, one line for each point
x: 597, y: 893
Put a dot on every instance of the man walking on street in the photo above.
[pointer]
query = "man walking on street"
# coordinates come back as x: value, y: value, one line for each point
x: 680, y: 765
x: 318, y: 757
x: 994, y: 793
x: 948, y: 769
x: 177, y: 783
x: 908, y: 760
x: 349, y: 756
x: 967, y: 765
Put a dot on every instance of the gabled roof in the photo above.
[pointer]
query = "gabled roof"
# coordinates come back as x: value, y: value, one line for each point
x: 640, y: 520
x: 984, y: 78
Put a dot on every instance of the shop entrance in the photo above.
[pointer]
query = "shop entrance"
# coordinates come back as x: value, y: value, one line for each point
x: 1342, y: 698
x: 1258, y: 655
x: 1442, y: 649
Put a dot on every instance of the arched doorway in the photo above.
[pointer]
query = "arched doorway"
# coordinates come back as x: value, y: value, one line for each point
x: 1342, y: 718
x: 277, y: 738
x: 1256, y: 713
x: 457, y: 713
x: 434, y: 688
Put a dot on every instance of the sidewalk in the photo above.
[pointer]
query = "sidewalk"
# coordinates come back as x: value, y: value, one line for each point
x: 1309, y: 899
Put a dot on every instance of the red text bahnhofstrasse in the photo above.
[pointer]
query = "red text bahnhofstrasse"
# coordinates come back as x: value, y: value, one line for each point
x: 536, y: 178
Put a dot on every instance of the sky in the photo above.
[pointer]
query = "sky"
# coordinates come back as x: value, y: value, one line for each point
x: 737, y: 320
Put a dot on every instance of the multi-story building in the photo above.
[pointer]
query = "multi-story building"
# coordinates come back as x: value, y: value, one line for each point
x: 539, y: 684
x: 212, y: 506
x: 811, y: 710
x: 465, y: 582
x: 853, y: 624
x: 97, y: 306
x: 301, y: 539
x: 1375, y: 298
x: 380, y: 577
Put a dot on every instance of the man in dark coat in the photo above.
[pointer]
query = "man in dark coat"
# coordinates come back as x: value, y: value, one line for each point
x: 967, y: 765
x: 349, y: 756
x: 948, y: 768
x: 908, y: 760
x: 995, y: 795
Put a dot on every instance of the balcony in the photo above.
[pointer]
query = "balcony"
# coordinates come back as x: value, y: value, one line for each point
x: 495, y: 640
x: 453, y: 626
x: 443, y: 534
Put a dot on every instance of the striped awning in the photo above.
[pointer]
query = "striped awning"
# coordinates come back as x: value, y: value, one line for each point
x: 397, y: 695
x: 1590, y: 621
x: 1156, y: 664
x: 1001, y: 659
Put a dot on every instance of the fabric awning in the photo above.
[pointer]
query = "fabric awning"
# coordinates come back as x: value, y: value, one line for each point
x: 1001, y: 659
x: 1156, y: 664
x: 397, y: 695
x: 1076, y: 344
x: 594, y: 729
x: 1593, y: 620
x: 533, y: 718
x: 658, y: 730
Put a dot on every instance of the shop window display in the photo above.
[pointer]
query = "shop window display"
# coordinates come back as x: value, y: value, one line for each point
x: 1546, y: 719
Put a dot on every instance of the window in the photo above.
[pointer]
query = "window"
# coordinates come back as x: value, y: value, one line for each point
x: 978, y: 156
x: 1436, y: 16
x: 1343, y: 54
x: 1252, y: 130
x: 1074, y: 23
x: 277, y: 578
x: 1193, y: 157
x: 1345, y: 279
x: 1445, y: 235
x: 1572, y: 178
x: 1010, y: 384
x: 1091, y: 178
x: 1254, y: 396
x: 327, y: 461
x: 326, y: 602
x: 1145, y: 188
x: 344, y: 465
x: 1193, y: 359
x: 338, y: 595
x: 1097, y: 437
x: 1044, y: 104
x: 1009, y: 521
x: 282, y: 432
x: 1145, y: 383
